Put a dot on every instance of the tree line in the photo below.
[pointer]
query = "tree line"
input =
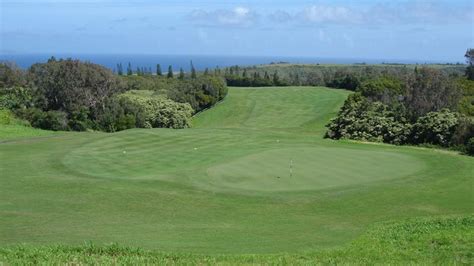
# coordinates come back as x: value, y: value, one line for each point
x: 147, y: 71
x: 68, y: 94
x: 424, y: 107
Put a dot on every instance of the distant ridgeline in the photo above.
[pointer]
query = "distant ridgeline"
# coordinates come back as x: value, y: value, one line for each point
x: 73, y: 95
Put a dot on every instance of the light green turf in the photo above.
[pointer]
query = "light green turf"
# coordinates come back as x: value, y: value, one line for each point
x: 224, y: 186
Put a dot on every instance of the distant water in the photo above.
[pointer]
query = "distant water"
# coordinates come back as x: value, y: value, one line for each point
x: 177, y: 61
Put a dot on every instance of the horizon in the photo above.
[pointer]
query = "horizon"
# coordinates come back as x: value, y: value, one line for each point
x: 419, y: 31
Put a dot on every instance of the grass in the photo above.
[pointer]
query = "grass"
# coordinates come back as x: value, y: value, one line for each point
x: 445, y: 240
x: 223, y: 188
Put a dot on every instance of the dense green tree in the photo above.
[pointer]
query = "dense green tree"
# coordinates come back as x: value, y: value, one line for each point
x: 430, y: 90
x: 158, y: 70
x: 193, y: 71
x: 119, y: 69
x: 470, y: 63
x: 276, y: 79
x: 11, y: 75
x: 181, y: 74
x: 435, y: 128
x: 70, y: 86
x: 170, y: 72
x: 129, y: 69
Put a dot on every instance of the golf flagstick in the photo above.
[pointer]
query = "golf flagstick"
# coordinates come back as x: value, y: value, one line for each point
x: 291, y: 167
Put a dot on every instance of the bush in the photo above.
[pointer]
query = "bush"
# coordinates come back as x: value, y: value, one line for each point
x: 6, y: 117
x: 15, y: 98
x: 361, y: 119
x: 435, y: 128
x: 470, y: 147
x: 384, y: 89
x: 155, y: 111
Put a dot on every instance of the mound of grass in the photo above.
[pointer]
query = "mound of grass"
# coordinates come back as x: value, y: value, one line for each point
x: 447, y: 240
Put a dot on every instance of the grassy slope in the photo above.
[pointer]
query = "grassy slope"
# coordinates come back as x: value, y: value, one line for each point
x: 445, y: 240
x: 224, y: 186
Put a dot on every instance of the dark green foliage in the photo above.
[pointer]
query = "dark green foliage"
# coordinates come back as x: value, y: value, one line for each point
x: 68, y: 85
x: 430, y: 90
x: 16, y: 98
x: 470, y: 146
x: 470, y: 61
x: 193, y: 71
x: 11, y: 76
x: 336, y: 76
x: 466, y: 104
x: 200, y: 93
x: 51, y: 120
x: 419, y: 109
x: 129, y: 69
x: 181, y: 74
x: 385, y: 89
x: 342, y: 80
x: 71, y: 95
x: 158, y: 70
x: 463, y: 132
x: 170, y: 72
x: 119, y: 69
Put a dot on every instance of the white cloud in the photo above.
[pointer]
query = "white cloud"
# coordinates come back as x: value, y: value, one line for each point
x: 329, y: 14
x: 237, y: 17
x: 414, y: 12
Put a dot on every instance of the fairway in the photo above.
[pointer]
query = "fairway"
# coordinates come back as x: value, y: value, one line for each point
x: 253, y: 175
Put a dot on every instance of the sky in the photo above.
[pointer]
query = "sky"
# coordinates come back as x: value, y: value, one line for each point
x: 439, y: 30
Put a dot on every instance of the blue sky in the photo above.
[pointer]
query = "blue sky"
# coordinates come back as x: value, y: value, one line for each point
x: 417, y: 30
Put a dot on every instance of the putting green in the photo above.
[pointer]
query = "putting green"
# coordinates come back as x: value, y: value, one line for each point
x: 235, y: 165
x: 224, y: 186
x: 311, y: 169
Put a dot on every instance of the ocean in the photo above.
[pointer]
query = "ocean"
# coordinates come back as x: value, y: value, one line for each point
x: 200, y: 62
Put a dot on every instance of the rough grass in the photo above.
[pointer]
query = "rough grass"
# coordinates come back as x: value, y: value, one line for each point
x: 223, y: 188
x: 444, y: 240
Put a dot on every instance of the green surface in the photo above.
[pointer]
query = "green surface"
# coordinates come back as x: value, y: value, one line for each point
x: 424, y: 241
x: 224, y: 186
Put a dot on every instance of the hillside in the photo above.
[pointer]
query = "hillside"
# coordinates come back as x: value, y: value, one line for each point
x: 253, y: 176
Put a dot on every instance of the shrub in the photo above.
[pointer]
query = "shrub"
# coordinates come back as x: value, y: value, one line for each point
x: 6, y: 117
x: 15, y: 98
x: 435, y: 128
x: 384, y: 89
x: 470, y: 147
x: 361, y: 119
x: 157, y: 111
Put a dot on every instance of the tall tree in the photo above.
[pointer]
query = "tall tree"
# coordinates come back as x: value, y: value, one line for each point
x: 170, y: 72
x: 158, y: 70
x: 470, y: 62
x: 244, y: 75
x: 276, y: 79
x: 267, y: 77
x: 129, y: 69
x: 181, y: 74
x: 119, y: 69
x: 193, y: 71
x: 206, y: 72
